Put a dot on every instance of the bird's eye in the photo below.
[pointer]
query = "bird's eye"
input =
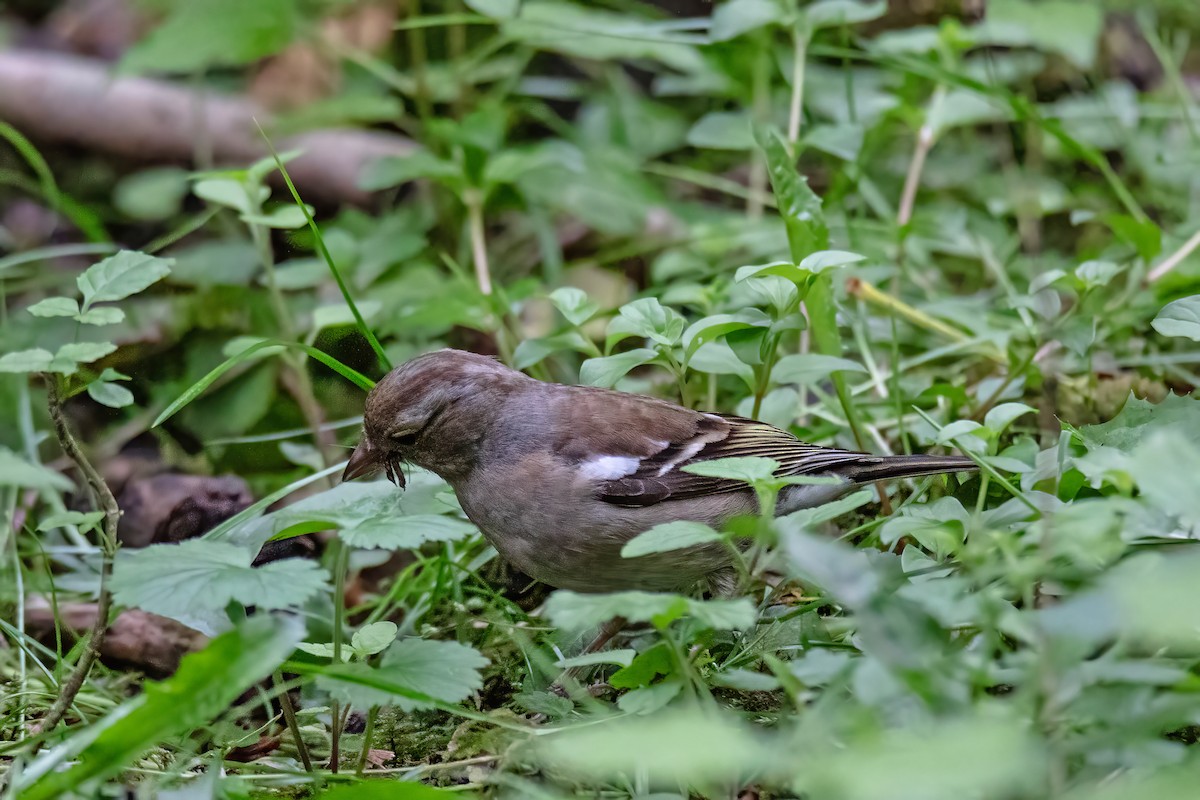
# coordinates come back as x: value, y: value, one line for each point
x: 405, y: 438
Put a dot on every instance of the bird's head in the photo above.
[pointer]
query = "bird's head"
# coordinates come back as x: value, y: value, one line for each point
x: 414, y: 414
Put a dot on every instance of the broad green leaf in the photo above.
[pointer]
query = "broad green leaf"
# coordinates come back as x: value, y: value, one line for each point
x: 808, y: 368
x: 396, y: 170
x: 1180, y: 318
x: 1165, y: 466
x: 999, y: 418
x: 339, y: 314
x: 179, y: 580
x: 55, y: 307
x: 534, y: 351
x: 496, y: 9
x: 829, y: 13
x: 680, y: 748
x: 84, y: 352
x: 205, y: 685
x: 110, y: 394
x: 844, y: 140
x: 722, y: 130
x: 748, y: 469
x: 200, y: 34
x: 35, y: 360
x: 412, y: 673
x: 240, y: 196
x: 386, y: 789
x: 809, y: 518
x: 16, y: 471
x: 121, y: 275
x: 829, y: 259
x: 374, y: 638
x: 669, y: 536
x: 608, y: 370
x: 649, y: 699
x: 400, y: 532
x: 284, y: 217
x: 718, y: 358
x: 573, y: 304
x: 574, y: 611
x: 1094, y: 274
x: 1057, y: 26
x: 798, y: 204
x: 1138, y: 419
x: 649, y: 319
x: 102, y: 315
x: 736, y: 17
x: 714, y: 327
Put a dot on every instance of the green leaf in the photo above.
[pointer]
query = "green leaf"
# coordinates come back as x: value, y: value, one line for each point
x: 200, y: 34
x: 374, y: 638
x: 608, y: 370
x: 673, y: 748
x: 84, y: 520
x: 1180, y: 318
x: 239, y: 195
x: 205, y: 685
x: 496, y: 9
x: 999, y: 418
x: 622, y: 658
x: 748, y: 469
x: 394, y: 789
x: 649, y: 699
x: 647, y: 318
x: 16, y: 471
x: 110, y: 394
x: 1165, y: 466
x: 103, y: 315
x: 534, y: 351
x: 798, y: 204
x: 35, y: 360
x: 829, y: 259
x: 714, y: 327
x: 284, y: 217
x: 373, y: 515
x: 718, y: 358
x: 121, y: 275
x: 55, y: 307
x: 1138, y: 419
x: 573, y: 304
x: 809, y: 368
x: 396, y: 170
x: 722, y: 130
x: 830, y: 13
x: 736, y: 17
x: 412, y: 673
x: 574, y: 611
x: 197, y: 575
x: 84, y: 352
x: 669, y: 536
x: 1094, y: 274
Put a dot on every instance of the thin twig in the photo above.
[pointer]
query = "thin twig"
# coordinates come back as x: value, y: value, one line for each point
x: 1172, y: 261
x: 289, y: 715
x: 925, y: 140
x: 473, y: 199
x: 103, y: 498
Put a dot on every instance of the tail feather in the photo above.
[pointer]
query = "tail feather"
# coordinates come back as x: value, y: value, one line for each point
x: 882, y: 468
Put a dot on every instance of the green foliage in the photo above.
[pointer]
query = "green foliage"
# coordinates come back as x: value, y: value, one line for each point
x: 880, y: 236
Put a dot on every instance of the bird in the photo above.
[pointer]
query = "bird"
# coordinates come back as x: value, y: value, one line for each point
x: 558, y: 478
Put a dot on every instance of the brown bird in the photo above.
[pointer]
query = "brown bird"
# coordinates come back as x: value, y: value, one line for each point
x: 559, y: 478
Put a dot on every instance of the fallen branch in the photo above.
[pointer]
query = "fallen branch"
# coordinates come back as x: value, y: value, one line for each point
x: 61, y: 98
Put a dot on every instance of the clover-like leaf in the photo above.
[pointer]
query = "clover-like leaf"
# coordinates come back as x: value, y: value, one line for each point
x: 808, y: 368
x: 414, y: 673
x: 748, y: 469
x: 608, y: 370
x: 373, y: 638
x: 180, y: 580
x: 34, y: 360
x: 573, y: 304
x: 575, y: 611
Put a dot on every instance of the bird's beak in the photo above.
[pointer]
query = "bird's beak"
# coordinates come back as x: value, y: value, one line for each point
x: 363, y: 460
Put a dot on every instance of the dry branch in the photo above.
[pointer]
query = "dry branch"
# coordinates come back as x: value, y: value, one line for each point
x: 60, y: 98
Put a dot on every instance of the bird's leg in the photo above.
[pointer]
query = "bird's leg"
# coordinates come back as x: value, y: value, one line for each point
x: 607, y: 631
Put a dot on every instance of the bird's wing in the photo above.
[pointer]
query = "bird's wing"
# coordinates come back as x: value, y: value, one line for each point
x: 661, y: 476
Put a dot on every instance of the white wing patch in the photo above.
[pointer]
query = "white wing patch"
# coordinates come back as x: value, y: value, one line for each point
x: 608, y: 468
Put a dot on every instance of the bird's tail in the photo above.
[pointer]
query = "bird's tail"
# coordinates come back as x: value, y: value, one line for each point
x: 883, y: 468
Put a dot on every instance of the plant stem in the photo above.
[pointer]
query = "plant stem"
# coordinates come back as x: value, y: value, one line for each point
x: 341, y: 559
x: 104, y: 500
x: 1172, y: 261
x: 761, y: 111
x: 796, y: 109
x: 289, y: 714
x: 925, y: 139
x: 473, y: 200
x: 368, y: 735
